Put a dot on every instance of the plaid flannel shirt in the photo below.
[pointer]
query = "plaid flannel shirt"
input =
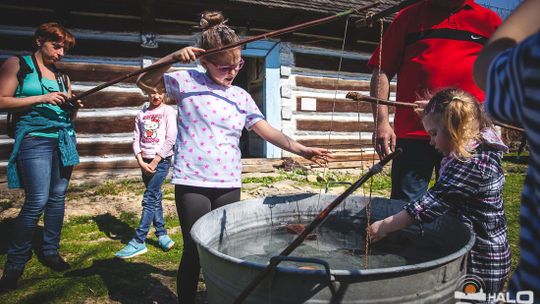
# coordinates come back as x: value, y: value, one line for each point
x: 472, y: 190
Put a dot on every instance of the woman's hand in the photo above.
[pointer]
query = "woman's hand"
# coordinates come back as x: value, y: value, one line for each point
x: 319, y: 156
x: 79, y: 104
x: 54, y: 98
x: 377, y: 231
x: 187, y: 54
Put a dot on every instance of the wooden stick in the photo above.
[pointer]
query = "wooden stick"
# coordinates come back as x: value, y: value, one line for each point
x: 315, y: 223
x: 70, y: 101
x: 361, y: 97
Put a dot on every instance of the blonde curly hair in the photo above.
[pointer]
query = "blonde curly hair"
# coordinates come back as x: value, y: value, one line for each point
x: 462, y: 115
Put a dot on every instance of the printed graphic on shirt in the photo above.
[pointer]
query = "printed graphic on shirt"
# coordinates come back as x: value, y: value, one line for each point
x: 151, y: 125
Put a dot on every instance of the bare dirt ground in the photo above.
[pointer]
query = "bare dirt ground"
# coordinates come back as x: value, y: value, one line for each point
x: 83, y: 202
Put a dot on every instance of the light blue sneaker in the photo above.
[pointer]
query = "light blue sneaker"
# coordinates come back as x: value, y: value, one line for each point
x: 133, y: 248
x: 165, y: 242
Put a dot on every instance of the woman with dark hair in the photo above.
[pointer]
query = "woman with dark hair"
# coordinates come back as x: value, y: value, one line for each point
x: 33, y: 91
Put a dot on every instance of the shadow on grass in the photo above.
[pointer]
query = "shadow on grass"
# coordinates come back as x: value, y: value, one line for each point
x: 130, y: 282
x: 114, y: 228
x: 518, y: 160
x: 9, y: 231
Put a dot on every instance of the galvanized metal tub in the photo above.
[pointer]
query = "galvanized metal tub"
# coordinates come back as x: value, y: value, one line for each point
x: 225, y: 276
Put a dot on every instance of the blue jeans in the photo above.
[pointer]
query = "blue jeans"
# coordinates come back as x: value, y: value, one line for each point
x: 151, y: 203
x: 45, y: 182
x: 412, y: 169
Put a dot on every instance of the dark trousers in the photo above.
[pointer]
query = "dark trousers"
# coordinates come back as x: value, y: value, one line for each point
x: 191, y: 204
x: 412, y: 169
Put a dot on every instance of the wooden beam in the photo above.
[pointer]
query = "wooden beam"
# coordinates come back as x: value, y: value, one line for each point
x: 337, y: 144
x: 335, y: 126
x: 326, y: 105
x: 333, y: 84
x: 96, y: 72
x: 109, y: 99
x: 103, y: 125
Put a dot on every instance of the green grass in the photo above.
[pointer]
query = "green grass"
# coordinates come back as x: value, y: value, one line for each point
x: 89, y: 244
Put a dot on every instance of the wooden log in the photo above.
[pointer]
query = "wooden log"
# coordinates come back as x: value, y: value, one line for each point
x: 332, y: 84
x: 335, y: 126
x: 103, y: 125
x: 108, y: 99
x: 336, y: 144
x: 96, y: 72
x: 326, y: 105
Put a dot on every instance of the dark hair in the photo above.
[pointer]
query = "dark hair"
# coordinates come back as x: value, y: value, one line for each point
x: 216, y: 33
x: 53, y: 31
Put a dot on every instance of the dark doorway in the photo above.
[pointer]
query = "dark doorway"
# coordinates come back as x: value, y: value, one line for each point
x: 251, y: 79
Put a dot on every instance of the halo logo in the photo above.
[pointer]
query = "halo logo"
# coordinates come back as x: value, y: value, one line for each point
x: 471, y: 289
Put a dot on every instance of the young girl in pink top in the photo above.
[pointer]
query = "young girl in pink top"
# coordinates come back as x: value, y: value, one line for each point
x: 153, y: 140
x: 211, y: 115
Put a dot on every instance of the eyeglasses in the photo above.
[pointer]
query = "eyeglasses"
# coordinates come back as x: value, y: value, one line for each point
x: 224, y: 69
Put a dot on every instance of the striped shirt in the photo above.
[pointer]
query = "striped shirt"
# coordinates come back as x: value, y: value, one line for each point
x: 471, y: 190
x: 513, y: 95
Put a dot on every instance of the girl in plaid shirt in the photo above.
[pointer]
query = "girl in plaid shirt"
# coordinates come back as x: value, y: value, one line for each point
x: 469, y: 186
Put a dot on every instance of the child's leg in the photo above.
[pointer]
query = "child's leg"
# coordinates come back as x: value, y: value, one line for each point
x: 191, y: 203
x: 162, y: 170
x: 151, y: 195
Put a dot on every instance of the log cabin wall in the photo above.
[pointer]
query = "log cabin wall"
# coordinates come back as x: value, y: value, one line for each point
x: 108, y: 34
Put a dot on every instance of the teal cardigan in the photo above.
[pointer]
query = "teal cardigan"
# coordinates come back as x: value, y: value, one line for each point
x: 35, y: 122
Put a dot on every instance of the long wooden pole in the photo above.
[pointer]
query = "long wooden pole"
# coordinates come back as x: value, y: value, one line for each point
x: 361, y: 97
x: 315, y: 223
x: 71, y: 101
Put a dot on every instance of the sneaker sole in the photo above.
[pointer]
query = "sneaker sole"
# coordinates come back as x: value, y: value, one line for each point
x: 133, y: 255
x: 169, y: 247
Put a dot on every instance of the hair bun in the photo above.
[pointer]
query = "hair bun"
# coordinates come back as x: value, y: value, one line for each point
x: 211, y: 19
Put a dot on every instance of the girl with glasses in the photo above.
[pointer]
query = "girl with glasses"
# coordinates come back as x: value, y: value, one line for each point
x: 211, y: 115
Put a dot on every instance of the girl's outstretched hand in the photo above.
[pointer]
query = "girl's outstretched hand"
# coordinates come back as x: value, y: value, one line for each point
x: 319, y: 156
x: 377, y: 231
x: 187, y: 54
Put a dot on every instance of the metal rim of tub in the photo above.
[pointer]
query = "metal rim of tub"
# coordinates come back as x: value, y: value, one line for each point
x: 336, y: 272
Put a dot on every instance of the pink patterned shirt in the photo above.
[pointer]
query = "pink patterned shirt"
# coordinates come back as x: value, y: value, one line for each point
x: 155, y: 132
x: 210, y: 122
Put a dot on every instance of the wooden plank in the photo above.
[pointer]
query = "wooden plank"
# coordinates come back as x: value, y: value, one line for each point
x: 330, y: 63
x: 84, y: 149
x: 109, y: 99
x: 334, y: 126
x: 96, y: 72
x: 326, y: 105
x: 96, y: 125
x: 103, y: 125
x: 332, y: 84
x: 336, y: 144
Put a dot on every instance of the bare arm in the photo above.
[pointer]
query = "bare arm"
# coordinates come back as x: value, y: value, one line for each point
x: 152, y: 81
x: 9, y: 83
x: 398, y: 221
x: 384, y: 138
x: 277, y: 138
x: 522, y: 23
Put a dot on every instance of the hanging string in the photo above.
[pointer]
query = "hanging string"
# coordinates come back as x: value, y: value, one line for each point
x: 336, y: 85
x: 376, y: 121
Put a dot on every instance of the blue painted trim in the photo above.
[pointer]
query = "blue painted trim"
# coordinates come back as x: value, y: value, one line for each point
x: 271, y: 86
x: 272, y: 96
